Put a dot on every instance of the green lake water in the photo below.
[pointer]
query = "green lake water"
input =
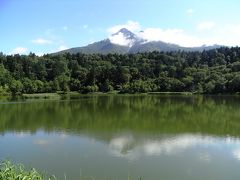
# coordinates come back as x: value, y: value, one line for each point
x: 121, y: 136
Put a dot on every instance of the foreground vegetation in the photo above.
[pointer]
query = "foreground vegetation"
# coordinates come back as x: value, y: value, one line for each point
x: 9, y: 171
x: 214, y: 71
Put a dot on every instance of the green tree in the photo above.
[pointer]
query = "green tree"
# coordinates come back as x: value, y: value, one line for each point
x: 63, y: 81
x: 235, y: 84
x: 16, y: 87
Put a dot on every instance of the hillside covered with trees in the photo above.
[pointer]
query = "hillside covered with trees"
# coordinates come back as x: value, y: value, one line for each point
x: 214, y: 71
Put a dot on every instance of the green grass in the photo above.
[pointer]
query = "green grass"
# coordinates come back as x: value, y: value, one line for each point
x: 60, y: 94
x: 42, y: 96
x: 9, y: 171
x: 172, y: 93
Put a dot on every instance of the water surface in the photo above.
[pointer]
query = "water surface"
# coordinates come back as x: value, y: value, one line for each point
x: 117, y: 136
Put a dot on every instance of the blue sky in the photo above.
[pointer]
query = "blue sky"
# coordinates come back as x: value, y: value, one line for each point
x: 46, y: 26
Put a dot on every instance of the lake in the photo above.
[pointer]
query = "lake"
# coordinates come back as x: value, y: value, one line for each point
x: 153, y: 137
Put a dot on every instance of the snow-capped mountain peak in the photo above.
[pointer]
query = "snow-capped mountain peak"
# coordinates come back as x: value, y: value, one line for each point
x: 124, y: 37
x: 125, y: 41
x: 128, y: 34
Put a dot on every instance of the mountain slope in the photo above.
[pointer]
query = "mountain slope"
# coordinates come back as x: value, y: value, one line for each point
x: 162, y: 46
x: 124, y: 41
x: 101, y: 47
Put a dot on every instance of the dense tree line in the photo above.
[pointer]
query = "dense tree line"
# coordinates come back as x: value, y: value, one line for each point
x: 213, y: 71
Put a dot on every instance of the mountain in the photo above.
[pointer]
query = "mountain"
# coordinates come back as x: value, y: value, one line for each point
x: 126, y: 33
x: 124, y: 41
x: 101, y: 47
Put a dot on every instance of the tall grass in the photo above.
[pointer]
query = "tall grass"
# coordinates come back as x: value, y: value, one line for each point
x: 10, y: 171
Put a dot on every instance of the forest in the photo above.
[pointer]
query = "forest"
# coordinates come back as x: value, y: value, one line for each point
x: 208, y: 72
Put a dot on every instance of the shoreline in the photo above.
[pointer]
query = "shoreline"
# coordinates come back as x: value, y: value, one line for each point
x: 58, y: 95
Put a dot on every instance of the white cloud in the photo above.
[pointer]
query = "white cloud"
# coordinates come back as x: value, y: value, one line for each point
x: 121, y: 144
x: 234, y: 29
x: 62, y: 47
x: 236, y: 153
x: 206, y: 25
x: 130, y: 25
x: 225, y: 34
x: 121, y: 40
x: 207, y: 33
x: 171, y: 146
x: 41, y: 41
x: 190, y: 11
x: 133, y: 148
x: 19, y: 50
x: 228, y: 36
x: 174, y: 36
x: 39, y: 53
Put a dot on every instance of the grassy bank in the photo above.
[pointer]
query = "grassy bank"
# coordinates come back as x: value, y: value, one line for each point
x: 58, y: 95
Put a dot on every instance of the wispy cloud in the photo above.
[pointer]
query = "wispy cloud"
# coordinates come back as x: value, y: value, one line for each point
x: 19, y: 50
x: 206, y: 25
x: 190, y: 11
x: 41, y: 41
